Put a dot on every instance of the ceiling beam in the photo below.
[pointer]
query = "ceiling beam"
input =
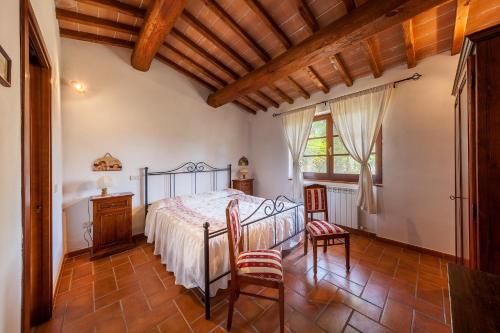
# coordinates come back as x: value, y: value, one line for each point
x: 91, y: 21
x: 206, y: 72
x: 281, y: 93
x: 339, y: 65
x: 318, y: 81
x: 204, y: 54
x: 268, y: 99
x: 371, y: 18
x: 307, y: 15
x: 370, y: 49
x: 195, y: 77
x: 258, y: 10
x: 298, y: 88
x: 238, y: 30
x: 411, y: 58
x: 461, y: 16
x: 118, y: 6
x: 208, y: 34
x: 160, y: 18
x: 254, y: 103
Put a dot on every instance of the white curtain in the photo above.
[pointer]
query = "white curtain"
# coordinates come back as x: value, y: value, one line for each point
x: 296, y: 126
x: 358, y: 118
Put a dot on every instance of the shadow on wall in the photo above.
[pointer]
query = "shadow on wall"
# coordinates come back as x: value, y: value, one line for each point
x: 413, y: 235
x: 125, y: 56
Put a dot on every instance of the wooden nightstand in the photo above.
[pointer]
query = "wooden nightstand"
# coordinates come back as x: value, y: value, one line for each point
x: 112, y: 224
x: 244, y: 185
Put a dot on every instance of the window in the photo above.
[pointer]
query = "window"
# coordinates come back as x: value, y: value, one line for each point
x: 326, y: 158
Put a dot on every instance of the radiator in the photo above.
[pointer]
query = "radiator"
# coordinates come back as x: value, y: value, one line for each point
x: 342, y: 206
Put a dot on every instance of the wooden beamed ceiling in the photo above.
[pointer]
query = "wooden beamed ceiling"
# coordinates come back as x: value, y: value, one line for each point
x: 258, y: 53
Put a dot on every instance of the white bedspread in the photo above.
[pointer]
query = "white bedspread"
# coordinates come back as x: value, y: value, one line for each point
x: 175, y: 225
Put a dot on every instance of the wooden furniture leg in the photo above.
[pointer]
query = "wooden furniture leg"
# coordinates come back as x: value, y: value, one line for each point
x: 325, y: 245
x: 232, y: 299
x: 282, y: 307
x: 306, y: 239
x: 347, y: 251
x: 315, y: 255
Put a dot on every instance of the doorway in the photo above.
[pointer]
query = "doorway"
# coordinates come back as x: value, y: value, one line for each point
x: 36, y: 172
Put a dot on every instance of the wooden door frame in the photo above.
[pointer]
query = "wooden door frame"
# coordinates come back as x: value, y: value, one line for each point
x: 31, y: 34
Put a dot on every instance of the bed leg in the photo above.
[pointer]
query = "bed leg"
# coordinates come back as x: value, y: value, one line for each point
x: 207, y: 270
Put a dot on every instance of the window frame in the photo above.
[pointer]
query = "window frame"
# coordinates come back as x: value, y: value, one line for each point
x: 339, y: 177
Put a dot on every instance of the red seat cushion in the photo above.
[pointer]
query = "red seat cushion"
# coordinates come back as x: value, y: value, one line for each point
x: 323, y: 228
x: 265, y: 264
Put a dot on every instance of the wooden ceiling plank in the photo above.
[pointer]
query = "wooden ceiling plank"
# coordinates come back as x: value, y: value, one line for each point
x: 208, y: 73
x: 281, y: 94
x: 317, y: 80
x: 371, y: 52
x: 411, y: 58
x: 268, y: 99
x: 88, y: 37
x: 91, y: 21
x: 204, y: 54
x: 237, y: 29
x: 117, y: 6
x: 160, y: 18
x: 298, y: 88
x: 258, y: 10
x: 307, y: 15
x: 339, y: 66
x: 461, y: 17
x: 205, y: 32
x: 363, y: 22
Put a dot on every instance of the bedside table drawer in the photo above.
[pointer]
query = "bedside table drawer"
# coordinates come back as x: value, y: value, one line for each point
x: 112, y: 205
x: 244, y: 185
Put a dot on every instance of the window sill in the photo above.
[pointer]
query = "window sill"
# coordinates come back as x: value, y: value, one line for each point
x: 334, y: 182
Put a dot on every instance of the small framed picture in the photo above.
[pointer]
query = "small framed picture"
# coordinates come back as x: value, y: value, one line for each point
x: 5, y: 68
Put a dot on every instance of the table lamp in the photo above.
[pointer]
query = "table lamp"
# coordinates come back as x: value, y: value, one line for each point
x: 103, y: 183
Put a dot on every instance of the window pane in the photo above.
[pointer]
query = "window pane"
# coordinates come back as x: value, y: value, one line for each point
x: 314, y: 164
x: 347, y: 165
x: 338, y: 146
x: 316, y: 147
x: 318, y: 129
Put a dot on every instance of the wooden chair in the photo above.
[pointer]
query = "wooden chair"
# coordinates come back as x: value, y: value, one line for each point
x: 321, y: 230
x: 259, y: 267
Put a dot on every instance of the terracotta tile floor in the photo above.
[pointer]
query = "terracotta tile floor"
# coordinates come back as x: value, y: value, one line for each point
x: 388, y: 289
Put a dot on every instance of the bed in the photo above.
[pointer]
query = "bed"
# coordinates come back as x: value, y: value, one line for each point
x: 189, y: 231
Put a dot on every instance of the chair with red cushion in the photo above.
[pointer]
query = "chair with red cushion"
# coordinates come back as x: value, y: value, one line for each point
x: 259, y: 267
x: 321, y: 230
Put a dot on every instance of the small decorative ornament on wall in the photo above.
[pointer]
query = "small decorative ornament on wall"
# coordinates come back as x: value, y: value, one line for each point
x: 107, y: 163
x: 5, y: 68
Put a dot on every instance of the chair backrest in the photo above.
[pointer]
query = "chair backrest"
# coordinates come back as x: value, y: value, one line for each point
x: 234, y: 234
x: 315, y: 200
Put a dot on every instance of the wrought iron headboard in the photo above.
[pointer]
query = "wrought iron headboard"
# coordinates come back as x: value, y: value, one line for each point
x: 186, y: 168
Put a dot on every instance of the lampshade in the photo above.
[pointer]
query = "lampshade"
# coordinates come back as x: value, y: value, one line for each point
x: 104, y: 182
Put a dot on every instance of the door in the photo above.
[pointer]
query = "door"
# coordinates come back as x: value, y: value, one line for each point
x: 36, y: 173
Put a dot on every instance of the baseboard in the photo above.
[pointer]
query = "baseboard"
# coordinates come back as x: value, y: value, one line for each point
x: 423, y: 250
x: 136, y: 238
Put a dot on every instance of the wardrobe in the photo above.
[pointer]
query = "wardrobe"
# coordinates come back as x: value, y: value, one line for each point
x: 477, y: 152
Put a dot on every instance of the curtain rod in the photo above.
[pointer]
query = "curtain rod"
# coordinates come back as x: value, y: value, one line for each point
x: 414, y: 77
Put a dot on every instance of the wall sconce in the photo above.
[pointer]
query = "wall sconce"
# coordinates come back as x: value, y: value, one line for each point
x: 79, y: 87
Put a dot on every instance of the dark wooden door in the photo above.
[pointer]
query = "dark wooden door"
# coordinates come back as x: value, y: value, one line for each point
x: 37, y: 173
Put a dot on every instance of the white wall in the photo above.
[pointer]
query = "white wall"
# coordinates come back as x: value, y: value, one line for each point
x: 10, y: 150
x: 158, y: 119
x: 417, y: 154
